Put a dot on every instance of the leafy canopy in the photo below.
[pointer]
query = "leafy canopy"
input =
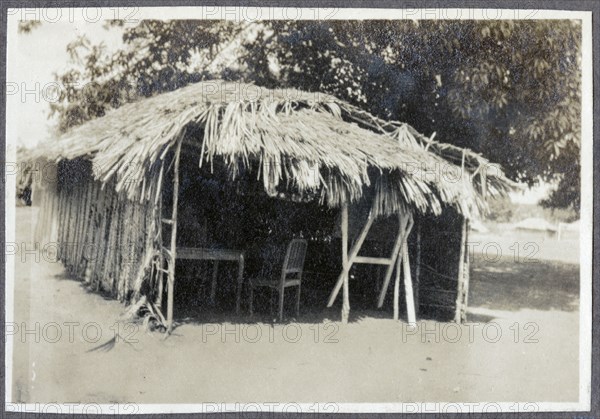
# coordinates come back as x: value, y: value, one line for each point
x: 508, y: 89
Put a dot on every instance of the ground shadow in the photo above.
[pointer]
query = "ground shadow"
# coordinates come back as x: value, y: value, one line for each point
x: 509, y: 285
x: 479, y: 318
x: 86, y: 287
x: 497, y: 285
x: 63, y: 276
x: 197, y: 308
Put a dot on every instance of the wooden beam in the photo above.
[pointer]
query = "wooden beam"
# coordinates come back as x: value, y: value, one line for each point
x: 157, y: 216
x: 353, y: 256
x: 466, y: 272
x: 240, y: 283
x: 417, y: 268
x: 397, y: 285
x: 460, y: 309
x: 173, y: 250
x: 389, y: 271
x: 345, y: 263
x: 159, y: 275
x: 373, y: 261
x: 403, y: 231
x: 408, y: 288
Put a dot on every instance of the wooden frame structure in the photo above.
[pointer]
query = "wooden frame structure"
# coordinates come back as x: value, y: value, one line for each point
x: 397, y: 259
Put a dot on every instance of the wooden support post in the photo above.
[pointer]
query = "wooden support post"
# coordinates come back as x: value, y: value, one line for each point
x: 388, y: 273
x: 240, y: 284
x: 397, y: 287
x: 377, y: 281
x: 408, y: 288
x: 173, y: 249
x: 403, y: 260
x: 403, y: 230
x: 417, y: 268
x: 160, y: 291
x: 157, y: 216
x: 460, y: 313
x: 466, y: 272
x: 157, y: 223
x: 353, y: 254
x: 345, y: 264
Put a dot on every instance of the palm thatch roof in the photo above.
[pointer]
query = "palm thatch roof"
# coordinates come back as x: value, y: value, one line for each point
x: 312, y: 143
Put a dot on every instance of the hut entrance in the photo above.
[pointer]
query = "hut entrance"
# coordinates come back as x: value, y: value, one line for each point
x: 233, y: 215
x: 218, y: 214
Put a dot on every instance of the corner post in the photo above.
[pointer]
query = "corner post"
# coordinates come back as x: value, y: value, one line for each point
x: 173, y: 249
x: 460, y: 314
x: 408, y: 286
x: 345, y: 264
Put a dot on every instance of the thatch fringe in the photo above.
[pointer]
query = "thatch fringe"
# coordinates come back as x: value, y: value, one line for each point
x: 312, y: 143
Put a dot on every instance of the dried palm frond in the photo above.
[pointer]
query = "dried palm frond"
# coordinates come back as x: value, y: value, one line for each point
x: 312, y: 143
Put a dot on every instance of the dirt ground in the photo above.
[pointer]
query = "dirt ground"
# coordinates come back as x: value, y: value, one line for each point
x: 521, y: 346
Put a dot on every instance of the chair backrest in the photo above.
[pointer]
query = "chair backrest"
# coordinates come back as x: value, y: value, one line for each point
x: 294, y: 258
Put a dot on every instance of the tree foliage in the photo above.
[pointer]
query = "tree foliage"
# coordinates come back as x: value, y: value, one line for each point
x: 26, y: 26
x: 508, y: 89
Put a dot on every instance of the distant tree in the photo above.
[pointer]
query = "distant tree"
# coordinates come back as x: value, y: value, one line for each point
x: 508, y: 89
x: 24, y: 178
x: 159, y: 57
x: 26, y: 26
x: 501, y: 210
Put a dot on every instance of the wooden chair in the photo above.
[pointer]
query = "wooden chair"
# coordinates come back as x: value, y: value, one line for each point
x: 291, y: 275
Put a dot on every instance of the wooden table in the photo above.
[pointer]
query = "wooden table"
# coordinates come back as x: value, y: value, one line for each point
x: 216, y: 255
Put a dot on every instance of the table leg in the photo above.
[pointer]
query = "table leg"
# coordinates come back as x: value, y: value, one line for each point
x: 239, y: 284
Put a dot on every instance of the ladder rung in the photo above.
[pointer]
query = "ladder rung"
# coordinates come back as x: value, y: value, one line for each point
x: 167, y: 221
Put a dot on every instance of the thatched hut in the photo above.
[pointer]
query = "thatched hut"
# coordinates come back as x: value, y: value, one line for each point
x: 116, y: 192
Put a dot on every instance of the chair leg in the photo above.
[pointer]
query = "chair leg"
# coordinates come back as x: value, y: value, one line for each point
x: 298, y: 301
x: 281, y: 294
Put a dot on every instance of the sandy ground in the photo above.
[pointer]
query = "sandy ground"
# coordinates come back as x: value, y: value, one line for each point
x: 521, y: 346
